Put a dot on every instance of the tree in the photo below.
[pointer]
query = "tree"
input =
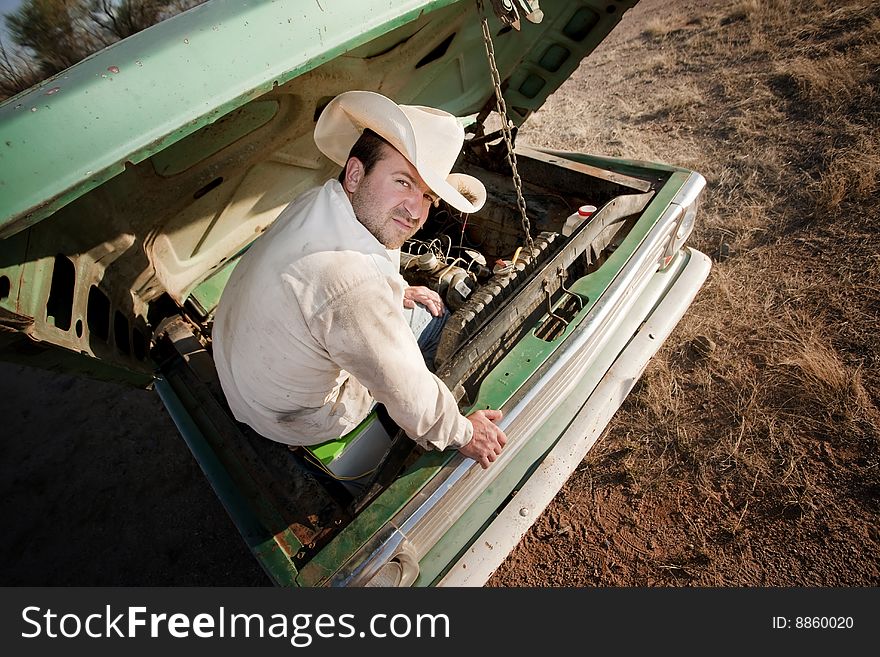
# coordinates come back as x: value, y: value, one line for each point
x: 122, y: 18
x: 57, y: 33
x: 52, y: 35
x: 17, y: 72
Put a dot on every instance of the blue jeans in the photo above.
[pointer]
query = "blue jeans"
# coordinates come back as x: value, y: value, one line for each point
x: 427, y: 330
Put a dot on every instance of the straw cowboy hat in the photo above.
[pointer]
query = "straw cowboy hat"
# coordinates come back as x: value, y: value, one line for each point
x: 429, y: 138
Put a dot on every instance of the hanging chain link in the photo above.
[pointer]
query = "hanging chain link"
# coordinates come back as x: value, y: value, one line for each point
x: 505, y: 127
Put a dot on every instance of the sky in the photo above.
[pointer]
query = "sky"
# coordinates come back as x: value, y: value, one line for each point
x: 6, y: 6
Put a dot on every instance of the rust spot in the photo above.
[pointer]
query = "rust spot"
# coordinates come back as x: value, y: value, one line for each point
x: 113, y: 69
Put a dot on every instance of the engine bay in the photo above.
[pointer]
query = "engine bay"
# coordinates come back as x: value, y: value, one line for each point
x: 498, y: 284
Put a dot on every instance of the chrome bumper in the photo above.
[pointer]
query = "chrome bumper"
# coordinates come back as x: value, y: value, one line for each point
x: 478, y: 563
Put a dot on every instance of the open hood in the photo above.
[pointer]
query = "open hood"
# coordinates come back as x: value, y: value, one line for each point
x: 132, y: 179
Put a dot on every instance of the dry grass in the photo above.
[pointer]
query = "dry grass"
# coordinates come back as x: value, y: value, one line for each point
x: 749, y: 450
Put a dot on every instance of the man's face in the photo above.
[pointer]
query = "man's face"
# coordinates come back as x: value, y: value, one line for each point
x: 392, y: 200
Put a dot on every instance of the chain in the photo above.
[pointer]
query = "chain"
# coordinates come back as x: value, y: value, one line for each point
x: 505, y: 128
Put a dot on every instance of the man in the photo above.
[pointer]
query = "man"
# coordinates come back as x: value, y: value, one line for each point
x: 310, y: 330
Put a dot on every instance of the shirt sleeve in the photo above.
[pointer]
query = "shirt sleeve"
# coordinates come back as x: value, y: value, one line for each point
x: 365, y: 333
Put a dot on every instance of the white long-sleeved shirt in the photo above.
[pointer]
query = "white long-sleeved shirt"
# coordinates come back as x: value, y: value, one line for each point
x: 310, y: 331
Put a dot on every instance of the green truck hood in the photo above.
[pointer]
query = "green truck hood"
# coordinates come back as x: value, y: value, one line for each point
x: 129, y: 182
x: 130, y: 101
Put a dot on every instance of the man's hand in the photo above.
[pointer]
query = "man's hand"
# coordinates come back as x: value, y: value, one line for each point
x: 425, y: 296
x: 488, y: 439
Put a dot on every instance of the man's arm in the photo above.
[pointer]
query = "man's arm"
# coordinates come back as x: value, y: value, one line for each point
x: 488, y: 439
x: 364, y: 333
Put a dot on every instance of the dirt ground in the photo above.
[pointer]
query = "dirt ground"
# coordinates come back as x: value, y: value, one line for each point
x: 98, y: 489
x: 748, y: 453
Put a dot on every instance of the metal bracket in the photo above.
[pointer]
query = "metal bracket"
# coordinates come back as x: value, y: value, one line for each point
x: 531, y: 10
x: 563, y: 275
x: 508, y: 14
x: 548, y: 294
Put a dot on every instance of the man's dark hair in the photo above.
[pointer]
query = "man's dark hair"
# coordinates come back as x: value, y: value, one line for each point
x: 368, y: 149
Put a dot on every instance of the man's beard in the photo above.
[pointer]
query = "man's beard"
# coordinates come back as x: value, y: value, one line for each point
x: 381, y: 225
